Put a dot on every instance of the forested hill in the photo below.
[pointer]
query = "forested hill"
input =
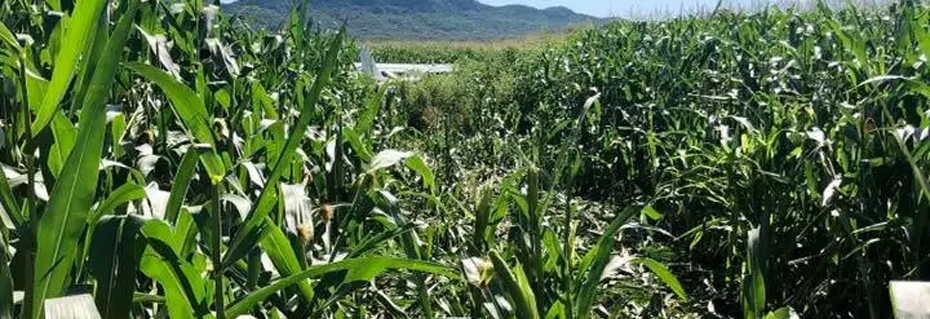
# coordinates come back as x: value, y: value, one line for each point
x: 417, y: 19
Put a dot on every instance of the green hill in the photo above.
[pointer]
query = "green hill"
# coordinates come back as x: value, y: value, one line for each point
x: 416, y: 19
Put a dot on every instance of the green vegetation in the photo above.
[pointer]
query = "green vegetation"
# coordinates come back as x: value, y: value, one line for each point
x: 393, y: 20
x: 782, y: 152
x: 172, y: 162
x: 485, y: 52
x: 429, y: 52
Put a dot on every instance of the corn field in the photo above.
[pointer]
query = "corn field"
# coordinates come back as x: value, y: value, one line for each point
x: 170, y: 161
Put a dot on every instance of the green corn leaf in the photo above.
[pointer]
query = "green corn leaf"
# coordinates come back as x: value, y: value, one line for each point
x: 122, y: 195
x: 380, y: 240
x: 336, y: 179
x: 176, y: 238
x: 601, y: 256
x: 275, y: 243
x: 185, y: 234
x: 6, y: 282
x: 8, y: 202
x: 159, y: 230
x: 413, y: 250
x: 389, y: 203
x: 652, y: 213
x: 368, y: 115
x: 665, y: 275
x: 62, y: 129
x: 266, y: 200
x: 360, y: 269
x: 191, y: 110
x: 252, y: 241
x: 114, y: 258
x: 60, y: 228
x: 782, y: 313
x: 361, y: 148
x: 557, y: 311
x: 177, y: 296
x: 36, y: 86
x: 915, y: 169
x: 532, y: 197
x: 184, y: 286
x: 417, y: 164
x: 7, y: 37
x: 117, y: 131
x: 80, y: 30
x: 181, y: 182
x: 261, y: 101
x: 92, y: 53
x: 517, y: 286
x: 524, y: 284
x: 482, y: 219
x: 753, y: 286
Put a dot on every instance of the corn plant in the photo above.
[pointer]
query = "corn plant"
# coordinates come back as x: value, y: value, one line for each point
x: 171, y: 161
x: 780, y: 151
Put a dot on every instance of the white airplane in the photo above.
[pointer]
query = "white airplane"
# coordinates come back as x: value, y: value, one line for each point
x: 384, y: 71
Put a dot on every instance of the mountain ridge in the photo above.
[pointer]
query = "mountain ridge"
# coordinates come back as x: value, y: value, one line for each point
x: 417, y: 19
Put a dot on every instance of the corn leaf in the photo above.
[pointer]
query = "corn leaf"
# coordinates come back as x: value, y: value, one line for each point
x: 62, y: 129
x: 266, y: 199
x: 60, y: 228
x: 122, y: 195
x: 6, y: 281
x: 114, y: 258
x: 181, y: 182
x: 185, y: 288
x: 361, y: 269
x: 373, y: 106
x: 174, y: 282
x: 665, y: 275
x: 515, y: 283
x: 275, y: 243
x: 80, y: 30
x: 417, y: 164
x: 8, y: 203
x: 185, y: 233
x: 601, y: 256
x: 782, y: 313
x: 7, y: 37
x: 517, y: 286
x: 753, y: 286
x: 191, y: 110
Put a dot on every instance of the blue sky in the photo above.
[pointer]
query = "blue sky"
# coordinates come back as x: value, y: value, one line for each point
x: 604, y: 8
